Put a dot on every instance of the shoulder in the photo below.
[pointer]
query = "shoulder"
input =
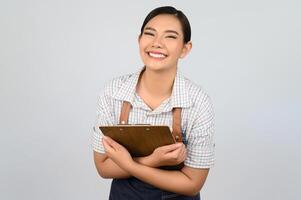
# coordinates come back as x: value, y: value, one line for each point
x: 114, y: 84
x: 197, y: 94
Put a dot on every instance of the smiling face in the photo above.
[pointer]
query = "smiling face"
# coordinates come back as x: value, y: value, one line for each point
x: 161, y: 43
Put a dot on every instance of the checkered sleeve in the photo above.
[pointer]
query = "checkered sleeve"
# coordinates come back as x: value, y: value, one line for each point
x: 200, y: 143
x: 104, y: 117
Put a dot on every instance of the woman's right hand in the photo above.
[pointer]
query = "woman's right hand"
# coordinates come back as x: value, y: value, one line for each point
x: 168, y: 155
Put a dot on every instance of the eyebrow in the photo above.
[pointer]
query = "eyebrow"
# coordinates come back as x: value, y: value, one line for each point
x: 167, y: 31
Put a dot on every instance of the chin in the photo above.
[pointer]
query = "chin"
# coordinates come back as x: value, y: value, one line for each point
x: 157, y: 67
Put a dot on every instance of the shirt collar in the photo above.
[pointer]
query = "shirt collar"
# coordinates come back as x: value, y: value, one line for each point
x: 179, y: 96
x: 128, y: 89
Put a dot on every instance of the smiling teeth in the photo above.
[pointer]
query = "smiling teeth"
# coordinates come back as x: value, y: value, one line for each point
x: 157, y: 55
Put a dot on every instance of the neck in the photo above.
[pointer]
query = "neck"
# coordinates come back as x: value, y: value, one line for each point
x: 158, y: 83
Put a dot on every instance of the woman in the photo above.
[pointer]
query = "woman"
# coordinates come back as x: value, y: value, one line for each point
x: 154, y: 95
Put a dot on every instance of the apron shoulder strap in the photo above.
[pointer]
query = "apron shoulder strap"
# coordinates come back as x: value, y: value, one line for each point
x: 176, y: 119
x: 125, y: 112
x: 176, y: 124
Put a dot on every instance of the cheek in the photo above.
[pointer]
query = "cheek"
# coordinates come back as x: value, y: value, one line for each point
x: 141, y: 48
x: 143, y: 42
x: 176, y: 49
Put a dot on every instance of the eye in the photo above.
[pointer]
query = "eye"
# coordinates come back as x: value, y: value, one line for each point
x: 171, y: 36
x: 148, y: 33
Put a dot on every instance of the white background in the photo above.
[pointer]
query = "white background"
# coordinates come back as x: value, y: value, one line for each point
x: 56, y: 55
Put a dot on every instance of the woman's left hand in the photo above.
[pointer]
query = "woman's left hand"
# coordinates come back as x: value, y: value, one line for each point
x: 117, y: 153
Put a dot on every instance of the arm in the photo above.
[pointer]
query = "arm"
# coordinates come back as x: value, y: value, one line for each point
x: 162, y: 156
x: 191, y: 180
x: 107, y: 168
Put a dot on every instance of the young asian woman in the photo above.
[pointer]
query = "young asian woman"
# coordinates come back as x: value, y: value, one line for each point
x: 153, y: 93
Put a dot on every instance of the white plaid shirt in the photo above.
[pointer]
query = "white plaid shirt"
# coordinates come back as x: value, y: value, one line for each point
x: 197, y: 115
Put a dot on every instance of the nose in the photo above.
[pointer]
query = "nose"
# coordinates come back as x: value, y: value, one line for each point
x: 157, y: 42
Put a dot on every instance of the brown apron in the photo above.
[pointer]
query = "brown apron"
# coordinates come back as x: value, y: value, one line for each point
x: 134, y: 189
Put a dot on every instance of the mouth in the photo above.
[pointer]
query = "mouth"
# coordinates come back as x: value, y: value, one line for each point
x: 156, y: 55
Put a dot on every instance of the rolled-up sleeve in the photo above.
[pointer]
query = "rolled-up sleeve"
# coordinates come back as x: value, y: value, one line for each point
x: 104, y: 117
x: 200, y: 143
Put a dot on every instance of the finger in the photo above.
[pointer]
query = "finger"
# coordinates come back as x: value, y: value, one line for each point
x: 115, y: 145
x: 111, y: 142
x: 108, y: 148
x: 108, y: 140
x: 173, y: 154
x: 183, y: 148
x: 171, y: 147
x: 184, y: 151
x: 176, y: 154
x: 183, y: 155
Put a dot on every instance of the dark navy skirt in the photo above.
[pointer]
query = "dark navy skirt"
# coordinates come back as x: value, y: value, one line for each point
x: 134, y: 189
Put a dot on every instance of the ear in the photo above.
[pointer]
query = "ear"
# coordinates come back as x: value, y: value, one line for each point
x: 186, y: 49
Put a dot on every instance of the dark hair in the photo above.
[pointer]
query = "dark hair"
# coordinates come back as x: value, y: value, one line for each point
x: 171, y: 11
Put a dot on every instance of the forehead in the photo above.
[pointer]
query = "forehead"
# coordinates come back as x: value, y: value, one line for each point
x: 165, y: 22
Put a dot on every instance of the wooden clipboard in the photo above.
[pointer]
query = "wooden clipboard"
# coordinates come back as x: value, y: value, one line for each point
x: 139, y: 140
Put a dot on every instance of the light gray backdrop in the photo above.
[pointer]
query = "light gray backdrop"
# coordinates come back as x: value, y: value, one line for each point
x: 56, y: 55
